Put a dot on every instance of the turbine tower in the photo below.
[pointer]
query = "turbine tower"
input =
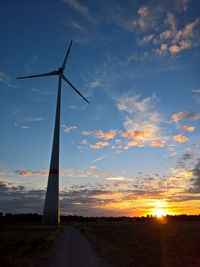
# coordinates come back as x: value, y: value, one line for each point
x: 51, y: 213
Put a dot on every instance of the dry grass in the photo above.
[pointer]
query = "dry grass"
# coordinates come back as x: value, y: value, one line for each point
x: 21, y: 244
x: 141, y: 244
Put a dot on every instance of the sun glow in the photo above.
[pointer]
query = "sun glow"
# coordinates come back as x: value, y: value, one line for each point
x: 159, y: 213
x: 160, y: 209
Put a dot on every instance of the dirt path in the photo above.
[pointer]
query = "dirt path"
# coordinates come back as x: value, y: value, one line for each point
x: 72, y: 249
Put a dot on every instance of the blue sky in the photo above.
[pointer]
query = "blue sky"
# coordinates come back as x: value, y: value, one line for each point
x: 135, y: 148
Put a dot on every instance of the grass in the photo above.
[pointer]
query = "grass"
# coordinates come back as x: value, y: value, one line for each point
x: 21, y: 244
x: 141, y: 244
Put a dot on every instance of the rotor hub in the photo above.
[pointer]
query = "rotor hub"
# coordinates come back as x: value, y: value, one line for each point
x: 60, y: 70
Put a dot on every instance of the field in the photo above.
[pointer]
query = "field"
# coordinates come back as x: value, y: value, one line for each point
x: 20, y: 244
x: 150, y: 243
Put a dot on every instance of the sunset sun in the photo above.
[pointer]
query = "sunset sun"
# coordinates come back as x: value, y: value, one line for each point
x: 160, y: 209
x: 159, y: 213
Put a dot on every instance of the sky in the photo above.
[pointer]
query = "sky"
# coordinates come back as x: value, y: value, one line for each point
x: 134, y: 150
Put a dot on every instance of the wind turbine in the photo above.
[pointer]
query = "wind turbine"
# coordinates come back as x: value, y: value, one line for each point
x: 51, y: 212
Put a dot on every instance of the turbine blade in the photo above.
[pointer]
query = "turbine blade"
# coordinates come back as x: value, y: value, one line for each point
x: 55, y: 72
x: 66, y: 56
x: 75, y: 88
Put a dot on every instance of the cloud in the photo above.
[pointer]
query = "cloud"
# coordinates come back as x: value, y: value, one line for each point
x: 81, y: 8
x: 176, y: 48
x: 107, y: 135
x: 158, y: 143
x: 17, y: 199
x: 145, y: 20
x: 84, y: 142
x: 5, y: 185
x: 122, y: 185
x: 177, y: 117
x: 132, y: 144
x: 135, y: 135
x: 146, y: 39
x: 33, y: 61
x: 70, y: 173
x: 180, y: 138
x: 23, y: 123
x: 188, y: 30
x: 35, y: 119
x: 100, y: 134
x: 21, y: 126
x: 183, y: 4
x: 5, y: 79
x: 94, y: 84
x: 99, y: 145
x: 93, y: 167
x: 31, y: 173
x: 41, y: 92
x: 74, y: 24
x: 98, y: 159
x: 117, y: 178
x: 196, y: 178
x: 142, y: 122
x: 24, y: 126
x: 179, y: 40
x: 94, y: 172
x: 185, y: 115
x: 188, y: 128
x: 187, y: 156
x: 169, y: 36
x: 196, y: 91
x: 69, y: 129
x: 87, y: 133
x: 185, y: 162
x: 118, y: 196
x: 31, y: 119
x: 170, y: 21
x: 143, y: 11
x: 196, y: 95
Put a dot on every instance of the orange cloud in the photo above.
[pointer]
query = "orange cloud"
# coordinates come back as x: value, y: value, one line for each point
x: 140, y: 138
x: 100, y: 134
x: 70, y: 172
x: 143, y: 123
x: 134, y: 134
x: 184, y: 115
x: 188, y: 30
x: 189, y: 128
x: 174, y: 49
x: 31, y: 173
x: 180, y: 138
x: 109, y: 135
x: 131, y: 144
x: 164, y: 47
x: 99, y: 145
x: 180, y: 39
x: 166, y: 35
x: 93, y: 167
x: 146, y: 39
x: 158, y: 143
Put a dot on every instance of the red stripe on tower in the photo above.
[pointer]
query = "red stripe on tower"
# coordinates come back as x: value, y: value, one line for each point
x: 53, y: 171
